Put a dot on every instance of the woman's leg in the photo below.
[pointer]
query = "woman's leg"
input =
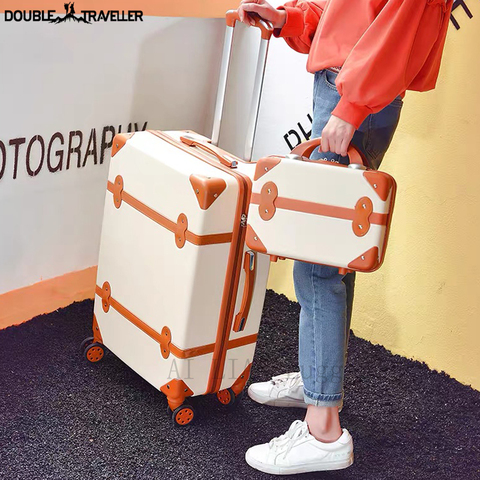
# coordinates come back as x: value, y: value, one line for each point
x: 322, y: 340
x: 325, y: 296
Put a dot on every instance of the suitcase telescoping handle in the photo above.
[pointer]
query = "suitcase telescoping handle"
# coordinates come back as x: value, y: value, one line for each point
x: 305, y: 149
x: 222, y: 158
x: 266, y: 32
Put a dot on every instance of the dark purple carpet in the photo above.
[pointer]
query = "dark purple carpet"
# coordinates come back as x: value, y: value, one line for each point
x: 63, y: 418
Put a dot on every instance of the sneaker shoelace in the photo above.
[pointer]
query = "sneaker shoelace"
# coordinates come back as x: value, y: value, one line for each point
x: 298, y: 429
x: 289, y: 380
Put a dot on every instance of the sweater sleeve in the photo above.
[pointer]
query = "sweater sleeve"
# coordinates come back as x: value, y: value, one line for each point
x: 301, y: 23
x: 389, y: 55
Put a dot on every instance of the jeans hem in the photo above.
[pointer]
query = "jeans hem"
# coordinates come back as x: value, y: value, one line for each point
x: 322, y: 399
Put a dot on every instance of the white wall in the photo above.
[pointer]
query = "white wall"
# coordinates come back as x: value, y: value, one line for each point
x: 62, y: 78
x: 75, y: 78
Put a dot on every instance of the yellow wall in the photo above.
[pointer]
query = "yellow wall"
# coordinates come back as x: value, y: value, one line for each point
x: 424, y: 303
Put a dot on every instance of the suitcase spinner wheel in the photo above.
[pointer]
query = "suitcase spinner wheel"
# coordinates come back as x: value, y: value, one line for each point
x: 182, y: 415
x: 92, y: 348
x: 229, y: 398
x: 84, y: 344
x: 226, y: 397
x: 92, y: 351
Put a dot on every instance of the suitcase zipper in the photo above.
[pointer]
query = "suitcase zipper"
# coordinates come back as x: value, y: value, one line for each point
x: 238, y: 241
x: 215, y: 379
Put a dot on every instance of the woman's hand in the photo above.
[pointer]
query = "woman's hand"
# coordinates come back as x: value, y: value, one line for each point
x: 336, y: 136
x: 276, y: 17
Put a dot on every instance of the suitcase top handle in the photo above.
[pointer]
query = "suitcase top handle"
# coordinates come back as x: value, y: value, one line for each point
x: 305, y: 149
x: 222, y: 158
x: 232, y: 17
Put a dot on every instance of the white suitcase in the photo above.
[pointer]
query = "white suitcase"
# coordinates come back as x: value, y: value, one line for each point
x: 179, y: 296
x: 321, y: 212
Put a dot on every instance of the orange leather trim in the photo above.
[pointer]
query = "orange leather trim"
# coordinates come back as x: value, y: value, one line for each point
x: 264, y: 165
x: 381, y: 182
x: 253, y: 241
x: 366, y: 262
x: 22, y: 304
x: 319, y: 209
x: 268, y: 195
x: 192, y: 352
x: 233, y: 267
x: 129, y: 315
x: 164, y: 339
x: 180, y: 230
x: 241, y: 381
x: 266, y: 29
x: 105, y: 293
x: 242, y: 341
x: 361, y: 220
x: 119, y: 142
x: 390, y: 217
x: 117, y: 190
x: 206, y: 189
x: 97, y: 336
x: 176, y: 391
x: 205, y: 349
x: 212, y: 239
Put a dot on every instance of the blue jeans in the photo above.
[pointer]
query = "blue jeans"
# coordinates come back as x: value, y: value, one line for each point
x: 325, y: 296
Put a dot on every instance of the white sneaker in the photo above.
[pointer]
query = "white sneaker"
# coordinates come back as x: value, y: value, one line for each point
x: 297, y: 451
x: 282, y: 391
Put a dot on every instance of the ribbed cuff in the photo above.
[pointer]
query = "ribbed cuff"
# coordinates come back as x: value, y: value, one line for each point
x: 351, y: 113
x: 294, y: 25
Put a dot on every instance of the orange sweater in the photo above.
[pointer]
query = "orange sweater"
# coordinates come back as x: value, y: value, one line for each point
x: 384, y: 47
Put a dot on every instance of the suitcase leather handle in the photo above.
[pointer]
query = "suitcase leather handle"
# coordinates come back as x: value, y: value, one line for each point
x: 210, y: 149
x: 305, y: 149
x: 249, y: 267
x: 266, y: 29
